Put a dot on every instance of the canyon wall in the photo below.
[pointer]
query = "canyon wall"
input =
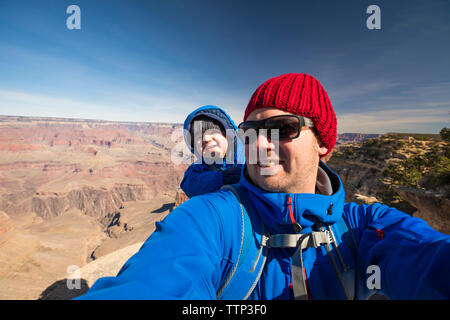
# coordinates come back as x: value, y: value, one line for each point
x: 72, y: 191
x: 87, y: 193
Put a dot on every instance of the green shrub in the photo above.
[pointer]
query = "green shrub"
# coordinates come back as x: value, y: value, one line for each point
x: 441, y: 171
x: 406, y: 172
x: 433, y: 166
x: 445, y: 134
x: 348, y: 151
x: 370, y: 142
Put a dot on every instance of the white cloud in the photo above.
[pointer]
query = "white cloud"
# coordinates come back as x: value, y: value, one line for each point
x: 420, y: 108
x: 395, y: 120
x: 23, y: 103
x: 122, y: 106
x: 360, y: 89
x: 138, y: 109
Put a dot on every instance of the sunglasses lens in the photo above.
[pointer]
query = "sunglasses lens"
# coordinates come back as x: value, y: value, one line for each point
x: 288, y: 127
x: 248, y: 132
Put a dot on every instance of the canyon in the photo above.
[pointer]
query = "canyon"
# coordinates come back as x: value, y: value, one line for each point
x: 84, y: 195
x: 72, y: 190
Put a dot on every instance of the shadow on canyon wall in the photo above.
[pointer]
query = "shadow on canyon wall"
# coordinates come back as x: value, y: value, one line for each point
x: 165, y: 207
x: 65, y: 289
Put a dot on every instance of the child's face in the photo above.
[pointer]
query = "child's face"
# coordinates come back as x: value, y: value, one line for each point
x: 213, y: 145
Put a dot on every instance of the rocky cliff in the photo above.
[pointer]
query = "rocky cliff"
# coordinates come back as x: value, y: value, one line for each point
x: 345, y: 138
x: 435, y: 210
x: 80, y: 282
x: 72, y: 191
x: 97, y: 203
x: 377, y: 169
x: 5, y: 223
x: 89, y: 193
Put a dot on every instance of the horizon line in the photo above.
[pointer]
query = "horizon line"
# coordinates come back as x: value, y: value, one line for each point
x: 44, y: 118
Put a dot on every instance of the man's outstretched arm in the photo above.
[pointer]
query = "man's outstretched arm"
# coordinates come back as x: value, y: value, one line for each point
x: 182, y: 259
x: 412, y: 258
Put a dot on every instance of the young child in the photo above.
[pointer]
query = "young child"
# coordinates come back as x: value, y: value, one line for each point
x: 213, y: 167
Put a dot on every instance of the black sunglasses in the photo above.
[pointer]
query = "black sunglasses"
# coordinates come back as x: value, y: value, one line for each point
x: 288, y: 126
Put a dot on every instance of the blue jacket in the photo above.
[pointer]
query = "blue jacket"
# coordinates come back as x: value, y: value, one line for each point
x: 194, y: 248
x: 202, y: 178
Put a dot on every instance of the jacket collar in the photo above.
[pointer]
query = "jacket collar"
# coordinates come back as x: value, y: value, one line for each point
x: 322, y: 208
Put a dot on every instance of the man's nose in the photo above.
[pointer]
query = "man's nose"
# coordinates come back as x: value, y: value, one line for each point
x: 263, y: 142
x: 258, y: 149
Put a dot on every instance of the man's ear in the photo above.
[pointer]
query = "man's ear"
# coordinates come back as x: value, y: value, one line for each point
x: 322, y: 150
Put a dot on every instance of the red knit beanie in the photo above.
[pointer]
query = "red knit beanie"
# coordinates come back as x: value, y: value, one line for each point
x: 300, y: 94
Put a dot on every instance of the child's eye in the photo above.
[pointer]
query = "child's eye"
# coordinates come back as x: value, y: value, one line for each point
x: 214, y: 131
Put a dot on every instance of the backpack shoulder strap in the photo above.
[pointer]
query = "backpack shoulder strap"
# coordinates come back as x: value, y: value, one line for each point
x: 347, y: 233
x: 252, y: 256
x: 347, y: 275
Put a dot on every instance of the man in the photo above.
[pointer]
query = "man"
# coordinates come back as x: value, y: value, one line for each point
x: 196, y: 252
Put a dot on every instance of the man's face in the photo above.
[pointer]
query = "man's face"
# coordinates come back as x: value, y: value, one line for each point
x: 298, y: 159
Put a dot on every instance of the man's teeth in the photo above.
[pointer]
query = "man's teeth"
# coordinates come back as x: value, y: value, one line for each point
x: 268, y: 164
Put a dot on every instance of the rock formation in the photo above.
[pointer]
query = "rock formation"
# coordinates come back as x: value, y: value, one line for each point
x: 180, y: 197
x: 5, y: 223
x: 433, y: 209
x: 88, y: 193
x: 63, y: 182
x: 362, y: 168
x: 106, y: 266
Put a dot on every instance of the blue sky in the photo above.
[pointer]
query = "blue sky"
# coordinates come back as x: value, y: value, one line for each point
x: 156, y: 61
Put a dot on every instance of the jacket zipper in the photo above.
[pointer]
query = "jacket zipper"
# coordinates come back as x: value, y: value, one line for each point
x: 298, y: 229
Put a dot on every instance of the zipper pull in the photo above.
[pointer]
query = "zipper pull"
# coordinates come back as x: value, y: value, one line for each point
x: 297, y: 227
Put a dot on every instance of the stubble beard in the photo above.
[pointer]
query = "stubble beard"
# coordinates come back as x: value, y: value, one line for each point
x: 293, y: 178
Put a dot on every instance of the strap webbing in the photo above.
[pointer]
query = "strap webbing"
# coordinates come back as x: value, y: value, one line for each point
x: 246, y: 273
x: 313, y: 239
x: 301, y: 242
x: 338, y: 274
x: 298, y: 279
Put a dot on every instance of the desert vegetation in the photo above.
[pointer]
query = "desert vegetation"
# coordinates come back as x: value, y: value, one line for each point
x: 376, y: 168
x: 427, y: 168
